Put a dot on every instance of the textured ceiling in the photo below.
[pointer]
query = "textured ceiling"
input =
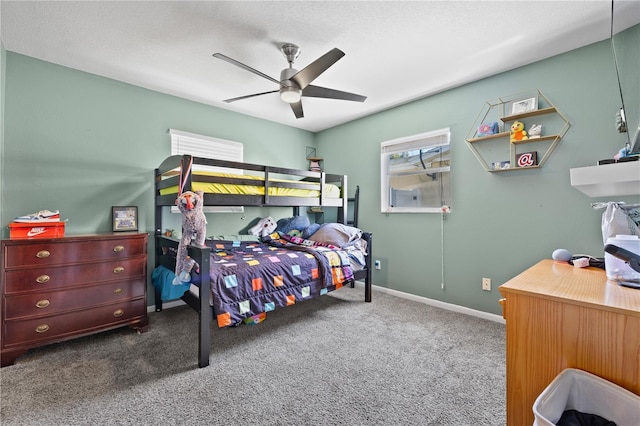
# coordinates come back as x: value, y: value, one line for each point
x: 396, y: 51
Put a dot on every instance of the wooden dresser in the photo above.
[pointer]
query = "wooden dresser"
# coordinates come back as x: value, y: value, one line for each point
x: 61, y: 288
x: 559, y: 316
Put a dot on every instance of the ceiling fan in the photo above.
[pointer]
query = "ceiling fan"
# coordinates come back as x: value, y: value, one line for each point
x: 293, y: 83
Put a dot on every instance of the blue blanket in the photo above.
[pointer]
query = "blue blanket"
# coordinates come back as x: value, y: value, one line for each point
x: 162, y: 279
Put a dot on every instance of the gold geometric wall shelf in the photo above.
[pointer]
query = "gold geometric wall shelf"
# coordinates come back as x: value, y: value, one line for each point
x: 489, y: 138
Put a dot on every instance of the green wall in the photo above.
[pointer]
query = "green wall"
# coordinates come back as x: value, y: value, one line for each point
x: 628, y: 59
x: 501, y: 223
x: 3, y: 61
x: 82, y: 143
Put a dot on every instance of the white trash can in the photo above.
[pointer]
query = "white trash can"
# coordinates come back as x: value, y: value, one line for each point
x: 578, y: 390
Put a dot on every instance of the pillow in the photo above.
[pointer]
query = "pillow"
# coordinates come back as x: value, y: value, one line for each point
x: 486, y: 129
x: 296, y: 226
x: 337, y: 234
x: 293, y: 225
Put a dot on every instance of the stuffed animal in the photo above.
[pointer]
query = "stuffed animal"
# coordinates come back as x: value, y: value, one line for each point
x: 517, y: 132
x: 535, y: 131
x: 184, y: 276
x: 194, y: 226
x: 264, y: 227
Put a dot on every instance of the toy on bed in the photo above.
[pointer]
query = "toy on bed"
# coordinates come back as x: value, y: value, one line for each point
x: 194, y: 226
x: 264, y: 227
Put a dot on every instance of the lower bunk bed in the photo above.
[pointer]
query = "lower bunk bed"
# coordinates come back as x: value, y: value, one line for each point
x: 241, y: 280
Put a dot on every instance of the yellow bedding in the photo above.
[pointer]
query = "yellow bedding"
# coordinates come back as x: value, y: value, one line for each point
x: 330, y: 191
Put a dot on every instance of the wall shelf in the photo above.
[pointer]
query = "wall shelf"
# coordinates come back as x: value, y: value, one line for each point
x: 510, y: 170
x: 506, y: 135
x: 607, y: 180
x: 522, y: 116
x: 496, y: 152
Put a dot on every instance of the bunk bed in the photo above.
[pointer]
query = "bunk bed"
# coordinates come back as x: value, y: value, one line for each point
x: 227, y: 183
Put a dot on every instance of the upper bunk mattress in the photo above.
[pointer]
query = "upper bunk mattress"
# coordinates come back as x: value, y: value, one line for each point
x: 329, y: 190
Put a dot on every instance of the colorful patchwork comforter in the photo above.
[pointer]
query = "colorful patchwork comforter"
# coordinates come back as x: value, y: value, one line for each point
x: 249, y: 278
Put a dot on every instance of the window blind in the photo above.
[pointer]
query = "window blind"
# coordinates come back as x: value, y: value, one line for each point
x: 421, y: 141
x: 208, y: 147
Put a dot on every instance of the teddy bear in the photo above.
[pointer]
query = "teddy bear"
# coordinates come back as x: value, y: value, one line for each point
x: 194, y: 226
x: 517, y: 132
x: 264, y: 227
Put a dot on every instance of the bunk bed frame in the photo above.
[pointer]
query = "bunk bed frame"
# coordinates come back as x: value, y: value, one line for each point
x: 177, y: 170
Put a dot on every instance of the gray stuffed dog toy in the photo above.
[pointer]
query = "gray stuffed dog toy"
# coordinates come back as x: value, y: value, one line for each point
x: 194, y: 227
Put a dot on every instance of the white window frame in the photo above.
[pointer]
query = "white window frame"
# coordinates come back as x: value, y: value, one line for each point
x: 208, y: 147
x: 441, y: 137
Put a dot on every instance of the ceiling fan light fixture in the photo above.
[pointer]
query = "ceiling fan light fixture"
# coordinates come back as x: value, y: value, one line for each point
x: 294, y: 83
x: 290, y: 94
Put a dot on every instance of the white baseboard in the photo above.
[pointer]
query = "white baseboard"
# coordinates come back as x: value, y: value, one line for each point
x: 409, y: 296
x: 438, y: 303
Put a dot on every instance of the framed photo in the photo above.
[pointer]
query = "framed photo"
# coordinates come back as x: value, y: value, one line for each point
x: 501, y: 165
x: 527, y: 159
x: 124, y: 218
x: 524, y: 105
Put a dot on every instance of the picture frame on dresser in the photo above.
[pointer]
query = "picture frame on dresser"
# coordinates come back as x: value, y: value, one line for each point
x: 124, y: 218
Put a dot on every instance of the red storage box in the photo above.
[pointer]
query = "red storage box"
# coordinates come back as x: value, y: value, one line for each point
x: 22, y: 231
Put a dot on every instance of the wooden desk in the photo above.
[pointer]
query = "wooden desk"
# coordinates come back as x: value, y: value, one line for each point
x: 559, y: 316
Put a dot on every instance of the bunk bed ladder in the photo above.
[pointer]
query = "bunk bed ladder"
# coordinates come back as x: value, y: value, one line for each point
x: 353, y: 206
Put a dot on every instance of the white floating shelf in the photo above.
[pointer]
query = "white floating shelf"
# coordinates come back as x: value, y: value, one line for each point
x: 607, y: 180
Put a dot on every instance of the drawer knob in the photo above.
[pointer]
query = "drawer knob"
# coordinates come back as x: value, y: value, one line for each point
x: 42, y: 303
x: 118, y: 270
x: 43, y: 254
x: 42, y: 328
x: 117, y: 291
x: 503, y: 303
x: 118, y: 249
x: 118, y: 313
x: 43, y: 279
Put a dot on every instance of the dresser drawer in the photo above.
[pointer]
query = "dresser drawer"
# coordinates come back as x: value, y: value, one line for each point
x: 56, y: 277
x: 50, y: 303
x: 60, y: 252
x: 115, y: 249
x: 27, y: 332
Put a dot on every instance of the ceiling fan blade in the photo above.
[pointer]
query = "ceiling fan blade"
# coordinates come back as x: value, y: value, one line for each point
x: 239, y: 98
x: 323, y: 92
x: 305, y: 76
x: 297, y: 109
x: 243, y: 66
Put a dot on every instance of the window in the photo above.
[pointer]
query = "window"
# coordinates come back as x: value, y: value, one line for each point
x: 416, y: 173
x: 207, y: 147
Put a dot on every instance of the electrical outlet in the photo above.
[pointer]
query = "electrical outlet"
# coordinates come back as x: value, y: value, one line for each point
x: 378, y: 264
x: 486, y: 284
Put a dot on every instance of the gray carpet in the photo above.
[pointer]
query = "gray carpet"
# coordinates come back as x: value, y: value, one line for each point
x: 334, y: 360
